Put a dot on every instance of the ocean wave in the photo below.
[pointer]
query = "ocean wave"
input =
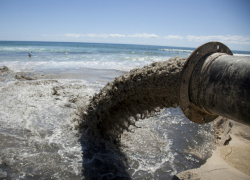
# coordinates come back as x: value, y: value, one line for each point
x: 39, y: 49
x: 241, y: 54
x: 72, y: 65
x: 177, y: 50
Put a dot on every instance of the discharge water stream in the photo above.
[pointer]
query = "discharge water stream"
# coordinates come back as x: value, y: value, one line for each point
x: 138, y: 94
x: 132, y: 96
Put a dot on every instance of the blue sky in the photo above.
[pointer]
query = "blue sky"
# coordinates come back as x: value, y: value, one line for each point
x: 185, y: 23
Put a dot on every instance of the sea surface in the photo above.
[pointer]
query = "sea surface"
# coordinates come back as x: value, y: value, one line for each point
x: 39, y: 138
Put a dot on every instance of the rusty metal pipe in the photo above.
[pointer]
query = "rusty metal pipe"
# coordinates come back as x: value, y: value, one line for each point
x: 215, y: 83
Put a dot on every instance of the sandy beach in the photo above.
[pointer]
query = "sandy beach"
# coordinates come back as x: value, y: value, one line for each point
x: 230, y: 160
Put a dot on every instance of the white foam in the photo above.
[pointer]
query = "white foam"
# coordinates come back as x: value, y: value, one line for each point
x: 177, y: 50
x: 151, y: 148
x: 38, y: 128
x: 241, y: 54
x: 147, y: 148
x: 71, y: 65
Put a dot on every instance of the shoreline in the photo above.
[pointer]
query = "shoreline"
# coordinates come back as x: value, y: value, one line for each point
x: 91, y: 75
x: 230, y: 160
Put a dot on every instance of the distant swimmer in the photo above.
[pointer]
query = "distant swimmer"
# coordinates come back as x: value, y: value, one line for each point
x: 30, y: 54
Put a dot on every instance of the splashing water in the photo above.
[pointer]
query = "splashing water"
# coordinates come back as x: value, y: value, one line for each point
x: 139, y: 94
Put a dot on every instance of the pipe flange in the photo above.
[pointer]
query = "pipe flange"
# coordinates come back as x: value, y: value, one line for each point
x: 188, y: 108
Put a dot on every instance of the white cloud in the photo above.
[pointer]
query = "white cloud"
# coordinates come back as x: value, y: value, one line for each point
x: 138, y: 35
x: 93, y: 35
x: 117, y: 35
x: 228, y: 39
x: 104, y: 35
x: 173, y: 37
x: 143, y: 35
x: 72, y: 35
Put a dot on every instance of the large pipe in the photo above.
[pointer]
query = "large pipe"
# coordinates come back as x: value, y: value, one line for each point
x: 215, y: 83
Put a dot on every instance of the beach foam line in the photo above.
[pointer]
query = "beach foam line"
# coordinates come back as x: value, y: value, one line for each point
x: 177, y: 50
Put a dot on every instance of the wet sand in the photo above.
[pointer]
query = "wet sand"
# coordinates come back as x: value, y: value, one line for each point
x: 100, y: 75
x: 231, y: 158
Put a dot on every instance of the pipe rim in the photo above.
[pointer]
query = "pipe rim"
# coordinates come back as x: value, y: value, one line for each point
x: 188, y: 108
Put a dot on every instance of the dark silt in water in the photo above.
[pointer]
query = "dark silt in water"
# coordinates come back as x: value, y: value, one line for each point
x: 138, y: 94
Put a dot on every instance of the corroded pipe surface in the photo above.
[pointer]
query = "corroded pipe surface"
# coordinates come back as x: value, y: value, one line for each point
x: 219, y: 85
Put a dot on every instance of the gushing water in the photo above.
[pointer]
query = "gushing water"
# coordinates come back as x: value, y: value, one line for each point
x: 132, y: 96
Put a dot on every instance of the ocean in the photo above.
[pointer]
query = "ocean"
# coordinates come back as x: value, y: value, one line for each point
x: 38, y: 118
